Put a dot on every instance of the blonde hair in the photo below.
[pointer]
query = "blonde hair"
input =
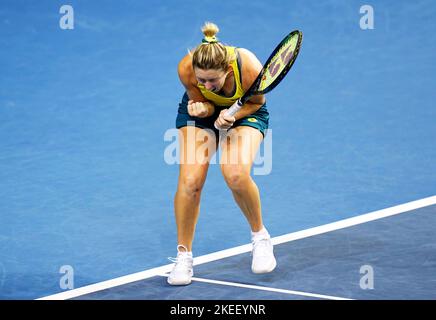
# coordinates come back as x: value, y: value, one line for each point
x: 211, y: 54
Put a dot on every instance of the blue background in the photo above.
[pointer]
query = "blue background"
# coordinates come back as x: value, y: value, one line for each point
x: 83, y: 114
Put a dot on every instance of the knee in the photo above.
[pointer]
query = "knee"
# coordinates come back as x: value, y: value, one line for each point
x: 191, y: 185
x: 236, y: 177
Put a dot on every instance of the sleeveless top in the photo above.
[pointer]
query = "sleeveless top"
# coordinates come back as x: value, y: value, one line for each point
x: 219, y: 100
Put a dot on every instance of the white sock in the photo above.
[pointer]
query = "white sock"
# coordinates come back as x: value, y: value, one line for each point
x: 261, y: 234
x: 185, y: 252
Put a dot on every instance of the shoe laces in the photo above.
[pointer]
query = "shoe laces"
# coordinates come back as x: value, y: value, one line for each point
x: 182, y: 259
x: 261, y: 246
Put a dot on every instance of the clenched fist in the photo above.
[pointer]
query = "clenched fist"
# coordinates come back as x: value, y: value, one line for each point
x: 198, y: 109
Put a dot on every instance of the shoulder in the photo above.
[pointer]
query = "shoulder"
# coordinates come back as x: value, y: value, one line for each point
x: 188, y: 79
x: 185, y: 71
x: 251, y: 66
x: 249, y: 57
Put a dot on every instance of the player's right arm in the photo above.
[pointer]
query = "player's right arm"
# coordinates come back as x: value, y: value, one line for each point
x: 198, y: 105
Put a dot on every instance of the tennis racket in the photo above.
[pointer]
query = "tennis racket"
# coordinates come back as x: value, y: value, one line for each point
x: 274, y: 70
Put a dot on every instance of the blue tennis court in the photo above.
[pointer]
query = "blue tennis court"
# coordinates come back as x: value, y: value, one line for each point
x: 373, y: 256
x: 347, y: 173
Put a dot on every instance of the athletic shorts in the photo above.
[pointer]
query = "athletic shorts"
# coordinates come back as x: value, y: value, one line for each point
x: 258, y: 120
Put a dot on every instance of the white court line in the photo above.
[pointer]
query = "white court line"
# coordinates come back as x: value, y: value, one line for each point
x: 109, y: 283
x: 250, y: 286
x: 379, y: 214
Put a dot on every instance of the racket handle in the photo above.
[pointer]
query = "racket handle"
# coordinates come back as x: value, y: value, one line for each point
x: 234, y: 108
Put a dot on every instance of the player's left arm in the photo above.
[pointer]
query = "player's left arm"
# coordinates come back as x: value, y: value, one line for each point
x: 251, y: 68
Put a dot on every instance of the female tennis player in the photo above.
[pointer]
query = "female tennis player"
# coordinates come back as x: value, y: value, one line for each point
x: 215, y: 76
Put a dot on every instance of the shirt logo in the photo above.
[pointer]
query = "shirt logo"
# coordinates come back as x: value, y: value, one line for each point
x: 252, y: 119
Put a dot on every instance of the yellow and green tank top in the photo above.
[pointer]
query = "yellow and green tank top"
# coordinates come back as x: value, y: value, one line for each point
x: 221, y: 100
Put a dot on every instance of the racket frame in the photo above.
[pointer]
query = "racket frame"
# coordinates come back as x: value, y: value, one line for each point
x: 253, y: 90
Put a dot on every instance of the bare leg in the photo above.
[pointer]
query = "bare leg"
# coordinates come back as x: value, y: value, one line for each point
x: 237, y: 159
x: 194, y: 157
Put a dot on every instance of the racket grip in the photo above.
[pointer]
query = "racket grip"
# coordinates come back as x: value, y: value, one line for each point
x: 234, y: 108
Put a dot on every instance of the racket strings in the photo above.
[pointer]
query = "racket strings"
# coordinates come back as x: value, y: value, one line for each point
x: 279, y: 62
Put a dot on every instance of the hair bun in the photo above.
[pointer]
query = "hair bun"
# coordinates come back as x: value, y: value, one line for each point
x: 210, y: 30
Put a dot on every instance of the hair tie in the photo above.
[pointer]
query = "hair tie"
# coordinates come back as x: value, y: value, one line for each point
x: 208, y: 39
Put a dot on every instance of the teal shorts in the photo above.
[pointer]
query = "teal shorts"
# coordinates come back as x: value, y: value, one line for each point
x: 258, y: 120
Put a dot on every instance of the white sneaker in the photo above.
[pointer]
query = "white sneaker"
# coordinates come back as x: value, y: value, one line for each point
x: 182, y: 271
x: 263, y: 256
